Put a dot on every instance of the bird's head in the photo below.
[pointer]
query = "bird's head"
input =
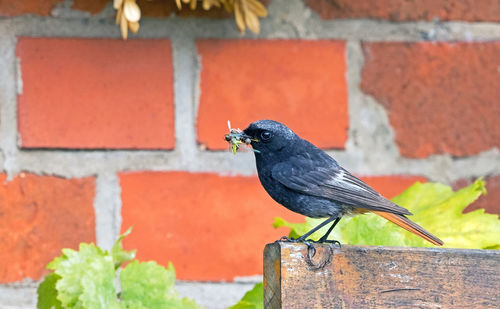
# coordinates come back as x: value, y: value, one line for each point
x: 269, y: 136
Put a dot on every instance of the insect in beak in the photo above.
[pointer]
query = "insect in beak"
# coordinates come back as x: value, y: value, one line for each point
x: 236, y: 137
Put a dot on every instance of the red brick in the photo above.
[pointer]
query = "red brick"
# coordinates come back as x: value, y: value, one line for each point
x: 440, y: 97
x: 37, y: 7
x: 40, y: 215
x: 408, y: 10
x: 489, y: 202
x: 91, y: 6
x: 300, y: 83
x: 96, y: 93
x: 211, y: 227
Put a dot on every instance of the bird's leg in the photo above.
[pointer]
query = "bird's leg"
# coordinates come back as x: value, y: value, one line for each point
x: 311, y: 250
x: 325, y: 237
x: 304, y: 237
x: 308, y: 242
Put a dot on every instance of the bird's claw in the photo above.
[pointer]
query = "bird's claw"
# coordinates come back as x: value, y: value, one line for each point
x: 309, y: 242
x: 331, y: 242
x: 286, y: 239
x: 311, y: 249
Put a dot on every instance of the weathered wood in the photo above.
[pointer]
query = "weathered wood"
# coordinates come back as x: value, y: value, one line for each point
x: 380, y: 277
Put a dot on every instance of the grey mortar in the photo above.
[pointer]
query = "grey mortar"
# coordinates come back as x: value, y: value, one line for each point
x: 107, y: 206
x: 8, y: 108
x: 184, y: 61
x: 371, y: 137
x: 214, y: 295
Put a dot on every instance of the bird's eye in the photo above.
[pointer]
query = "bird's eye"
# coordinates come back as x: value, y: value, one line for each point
x: 266, y: 135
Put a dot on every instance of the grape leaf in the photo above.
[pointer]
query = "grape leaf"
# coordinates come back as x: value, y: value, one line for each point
x: 149, y: 285
x: 472, y: 230
x: 98, y: 284
x: 47, y: 293
x: 253, y: 299
x: 87, y: 278
x: 435, y: 206
x: 119, y: 255
x: 132, y: 304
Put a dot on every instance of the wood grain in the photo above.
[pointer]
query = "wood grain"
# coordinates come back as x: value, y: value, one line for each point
x: 380, y: 277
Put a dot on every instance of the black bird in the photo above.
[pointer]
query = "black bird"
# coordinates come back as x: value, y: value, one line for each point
x: 306, y: 180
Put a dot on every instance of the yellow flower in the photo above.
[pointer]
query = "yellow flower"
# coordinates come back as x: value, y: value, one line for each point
x: 127, y: 16
x: 206, y: 4
x: 246, y: 13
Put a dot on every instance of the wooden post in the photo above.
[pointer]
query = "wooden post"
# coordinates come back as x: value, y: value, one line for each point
x: 380, y: 277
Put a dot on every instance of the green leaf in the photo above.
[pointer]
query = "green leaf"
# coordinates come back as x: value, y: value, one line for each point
x: 99, y: 289
x: 130, y: 304
x: 149, y: 285
x: 475, y: 229
x: 186, y: 303
x: 119, y: 255
x: 253, y: 299
x: 87, y: 278
x: 435, y: 207
x: 47, y: 293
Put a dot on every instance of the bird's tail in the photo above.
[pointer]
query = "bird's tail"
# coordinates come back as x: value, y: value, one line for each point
x: 408, y: 225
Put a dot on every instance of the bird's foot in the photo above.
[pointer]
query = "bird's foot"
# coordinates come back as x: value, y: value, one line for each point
x: 334, y: 244
x: 309, y: 242
x: 330, y: 241
x: 287, y: 239
x: 311, y: 249
x: 296, y: 240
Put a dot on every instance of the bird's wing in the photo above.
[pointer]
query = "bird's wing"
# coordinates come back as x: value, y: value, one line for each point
x: 325, y: 179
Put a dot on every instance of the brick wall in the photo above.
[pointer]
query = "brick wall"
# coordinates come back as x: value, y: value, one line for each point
x: 98, y: 134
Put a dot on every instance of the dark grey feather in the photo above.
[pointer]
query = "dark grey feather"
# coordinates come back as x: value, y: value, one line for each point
x: 303, y: 174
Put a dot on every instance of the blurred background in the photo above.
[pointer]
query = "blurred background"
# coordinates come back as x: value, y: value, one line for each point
x: 98, y: 133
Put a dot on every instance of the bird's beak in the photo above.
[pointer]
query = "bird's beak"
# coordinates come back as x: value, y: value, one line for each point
x: 247, y: 139
x: 239, y: 137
